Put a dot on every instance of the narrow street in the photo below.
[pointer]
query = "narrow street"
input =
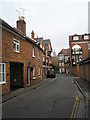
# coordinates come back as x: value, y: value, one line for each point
x: 55, y: 99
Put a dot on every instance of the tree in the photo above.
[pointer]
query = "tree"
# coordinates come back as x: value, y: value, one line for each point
x: 55, y: 61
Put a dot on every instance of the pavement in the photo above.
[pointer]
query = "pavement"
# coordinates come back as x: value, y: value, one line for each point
x: 21, y: 91
x: 84, y: 88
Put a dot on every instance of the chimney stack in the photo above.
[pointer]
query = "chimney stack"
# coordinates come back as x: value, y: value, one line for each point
x: 32, y: 34
x: 21, y: 25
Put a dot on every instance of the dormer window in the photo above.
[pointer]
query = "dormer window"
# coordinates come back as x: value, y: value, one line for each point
x: 86, y: 37
x: 75, y: 38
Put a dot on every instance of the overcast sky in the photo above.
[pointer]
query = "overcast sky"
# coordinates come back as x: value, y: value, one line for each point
x: 53, y: 19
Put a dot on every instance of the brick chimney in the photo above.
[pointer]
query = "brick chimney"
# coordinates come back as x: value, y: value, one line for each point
x: 21, y: 25
x: 32, y: 34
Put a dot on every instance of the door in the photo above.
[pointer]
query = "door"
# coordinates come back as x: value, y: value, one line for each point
x: 28, y: 79
x: 16, y: 75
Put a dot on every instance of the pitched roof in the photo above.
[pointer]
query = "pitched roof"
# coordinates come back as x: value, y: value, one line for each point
x: 66, y: 52
x: 18, y: 32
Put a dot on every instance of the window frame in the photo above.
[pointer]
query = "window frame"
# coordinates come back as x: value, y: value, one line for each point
x: 86, y: 37
x: 3, y: 80
x: 63, y: 64
x: 63, y: 70
x: 38, y: 54
x: 17, y: 43
x: 33, y: 52
x: 75, y: 37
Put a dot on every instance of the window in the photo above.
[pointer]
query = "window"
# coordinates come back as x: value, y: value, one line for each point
x: 61, y: 57
x: 86, y: 37
x: 76, y: 54
x: 62, y: 64
x: 76, y: 58
x: 38, y: 54
x: 33, y: 52
x: 88, y: 46
x: 59, y: 64
x: 39, y: 71
x: 33, y: 71
x: 63, y: 70
x: 43, y: 58
x: 16, y: 45
x: 2, y: 72
x: 75, y: 38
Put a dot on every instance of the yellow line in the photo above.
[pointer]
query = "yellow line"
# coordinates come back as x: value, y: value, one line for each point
x: 74, y: 111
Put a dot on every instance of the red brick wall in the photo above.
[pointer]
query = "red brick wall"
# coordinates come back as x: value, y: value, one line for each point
x: 25, y: 56
x: 85, y: 71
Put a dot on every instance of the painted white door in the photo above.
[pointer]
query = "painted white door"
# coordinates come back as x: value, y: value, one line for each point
x: 28, y: 82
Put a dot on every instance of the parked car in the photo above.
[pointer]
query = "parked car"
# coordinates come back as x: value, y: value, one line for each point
x: 51, y: 73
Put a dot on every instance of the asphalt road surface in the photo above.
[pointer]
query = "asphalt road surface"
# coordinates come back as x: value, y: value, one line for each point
x: 55, y: 99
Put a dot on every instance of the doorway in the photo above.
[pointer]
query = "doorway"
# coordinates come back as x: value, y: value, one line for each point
x: 16, y: 75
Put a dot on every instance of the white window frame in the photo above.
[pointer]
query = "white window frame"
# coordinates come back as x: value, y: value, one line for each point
x: 43, y: 58
x: 38, y: 54
x: 17, y: 43
x: 75, y: 38
x: 86, y: 37
x: 63, y: 69
x: 62, y: 63
x: 3, y: 72
x: 33, y: 52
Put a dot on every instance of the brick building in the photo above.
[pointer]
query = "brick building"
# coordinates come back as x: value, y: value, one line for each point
x: 45, y: 44
x: 48, y: 58
x: 63, y: 60
x: 79, y: 50
x: 20, y: 59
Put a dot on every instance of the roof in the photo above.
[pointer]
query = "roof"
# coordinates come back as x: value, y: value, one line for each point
x: 80, y: 34
x: 18, y: 32
x: 66, y: 52
x: 39, y: 39
x: 47, y: 41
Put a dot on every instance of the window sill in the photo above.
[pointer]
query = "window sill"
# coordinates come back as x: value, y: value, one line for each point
x: 17, y: 52
x: 2, y: 83
x: 33, y: 56
x: 34, y: 78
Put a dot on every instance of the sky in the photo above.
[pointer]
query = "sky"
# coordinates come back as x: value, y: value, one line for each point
x: 50, y: 19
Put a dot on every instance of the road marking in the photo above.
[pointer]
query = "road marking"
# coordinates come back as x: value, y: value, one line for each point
x: 75, y: 107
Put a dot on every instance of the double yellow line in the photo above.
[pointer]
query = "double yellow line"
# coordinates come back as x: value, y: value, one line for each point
x: 73, y: 115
